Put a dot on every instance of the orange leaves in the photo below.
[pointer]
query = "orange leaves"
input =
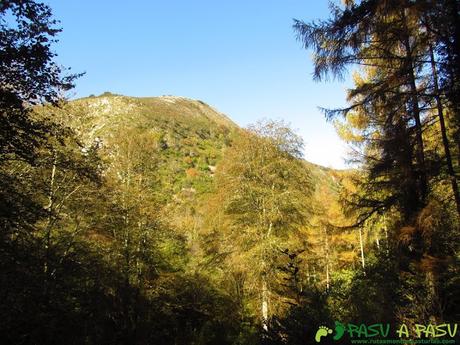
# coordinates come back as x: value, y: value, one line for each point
x: 191, y: 172
x: 407, y: 235
x: 430, y: 264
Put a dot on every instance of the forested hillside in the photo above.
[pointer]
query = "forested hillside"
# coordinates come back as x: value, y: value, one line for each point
x: 158, y: 212
x: 158, y: 220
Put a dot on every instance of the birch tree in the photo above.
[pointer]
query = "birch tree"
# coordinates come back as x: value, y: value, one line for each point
x: 265, y: 188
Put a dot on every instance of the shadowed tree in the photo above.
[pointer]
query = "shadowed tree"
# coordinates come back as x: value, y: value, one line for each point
x: 28, y: 76
x: 390, y: 41
x: 399, y: 47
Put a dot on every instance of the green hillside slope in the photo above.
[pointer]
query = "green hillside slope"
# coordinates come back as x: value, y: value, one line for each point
x: 190, y: 135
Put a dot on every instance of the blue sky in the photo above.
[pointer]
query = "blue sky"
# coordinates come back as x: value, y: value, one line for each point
x: 238, y: 56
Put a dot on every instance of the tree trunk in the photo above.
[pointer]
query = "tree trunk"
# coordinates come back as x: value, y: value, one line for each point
x: 361, y: 246
x: 326, y: 247
x: 445, y: 140
x: 49, y: 225
x: 420, y: 151
x: 454, y: 57
x: 264, y: 304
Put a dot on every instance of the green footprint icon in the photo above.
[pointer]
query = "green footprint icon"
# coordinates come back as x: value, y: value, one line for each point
x: 321, y: 332
x: 339, y: 330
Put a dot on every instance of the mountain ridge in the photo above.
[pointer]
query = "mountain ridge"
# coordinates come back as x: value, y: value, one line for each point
x: 188, y: 137
x: 177, y: 101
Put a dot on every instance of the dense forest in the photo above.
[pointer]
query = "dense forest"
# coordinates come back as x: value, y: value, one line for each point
x: 160, y: 221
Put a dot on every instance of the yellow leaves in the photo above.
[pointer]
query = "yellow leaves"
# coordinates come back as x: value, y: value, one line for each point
x: 376, y: 135
x: 351, y: 130
x: 357, y: 78
x: 348, y: 256
x: 349, y: 186
x: 349, y: 237
x: 188, y: 160
x: 357, y: 120
x: 346, y: 133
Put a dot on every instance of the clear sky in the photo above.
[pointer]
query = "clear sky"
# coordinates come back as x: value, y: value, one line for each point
x: 239, y: 56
